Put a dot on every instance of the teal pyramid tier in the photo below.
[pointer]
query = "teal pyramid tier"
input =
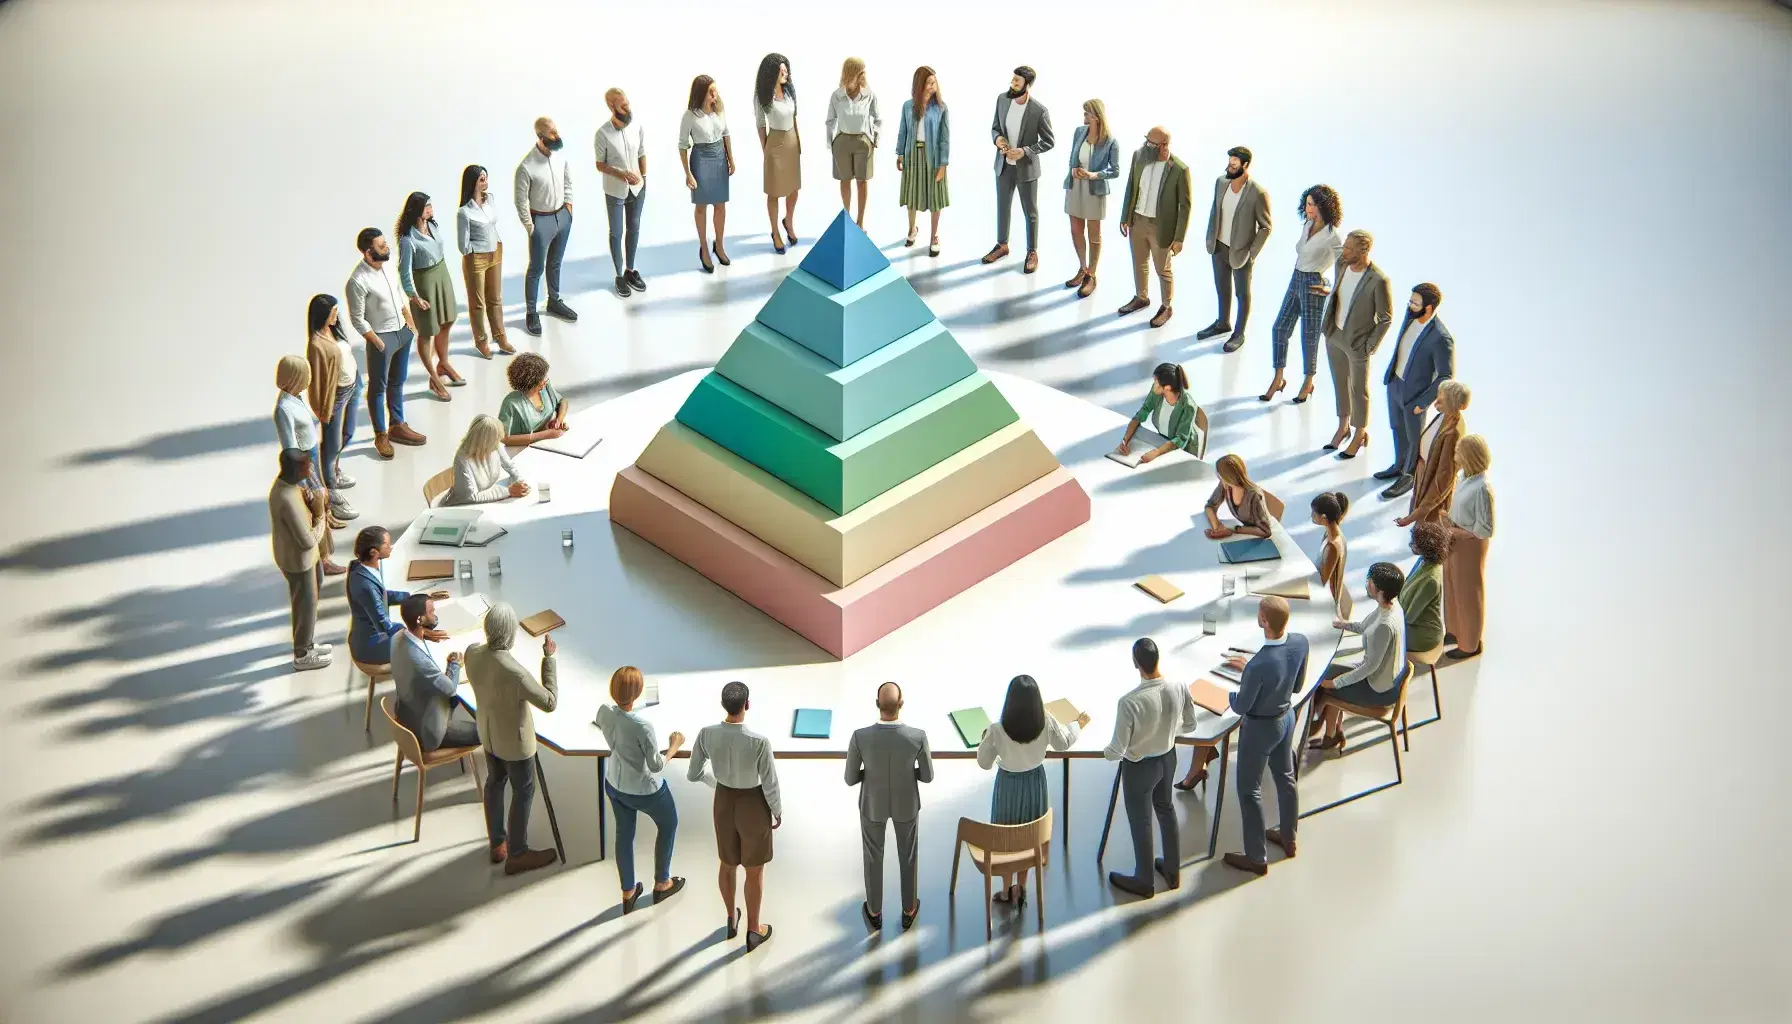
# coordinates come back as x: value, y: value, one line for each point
x: 843, y: 256
x: 842, y: 401
x: 844, y: 325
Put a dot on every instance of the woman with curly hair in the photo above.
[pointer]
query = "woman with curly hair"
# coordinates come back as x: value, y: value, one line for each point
x: 774, y: 111
x: 533, y: 411
x: 1315, y: 252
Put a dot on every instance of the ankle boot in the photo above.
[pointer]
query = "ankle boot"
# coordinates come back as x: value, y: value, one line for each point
x: 382, y: 444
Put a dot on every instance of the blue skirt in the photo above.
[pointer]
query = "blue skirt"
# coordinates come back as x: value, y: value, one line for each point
x: 709, y: 165
x: 1018, y: 797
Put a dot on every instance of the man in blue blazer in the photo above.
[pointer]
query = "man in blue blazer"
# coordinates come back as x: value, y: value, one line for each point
x: 1424, y: 358
x: 1266, y: 740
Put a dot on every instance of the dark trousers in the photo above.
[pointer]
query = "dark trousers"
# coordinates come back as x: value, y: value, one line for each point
x: 386, y: 370
x: 520, y: 775
x: 624, y: 213
x: 1145, y: 786
x: 1408, y: 425
x: 1007, y: 183
x: 547, y: 247
x: 907, y: 866
x: 664, y: 813
x: 302, y: 588
x: 1225, y: 279
x: 1265, y: 742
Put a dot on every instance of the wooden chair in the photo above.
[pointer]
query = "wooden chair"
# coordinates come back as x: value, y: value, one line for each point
x: 1005, y: 850
x: 1393, y: 717
x: 410, y: 750
x: 1429, y: 660
x: 375, y: 674
x: 1200, y: 433
x: 437, y: 485
x: 1276, y: 507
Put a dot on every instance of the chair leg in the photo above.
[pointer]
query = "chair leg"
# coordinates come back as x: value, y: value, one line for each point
x: 952, y: 890
x: 1405, y: 733
x: 417, y: 830
x: 1039, y: 884
x: 397, y: 769
x: 367, y: 719
x: 989, y: 928
x: 1399, y: 776
x: 478, y: 775
x: 1437, y: 701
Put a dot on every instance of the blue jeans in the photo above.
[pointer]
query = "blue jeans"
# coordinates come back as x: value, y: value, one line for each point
x: 664, y: 813
x: 624, y: 212
x: 547, y: 247
x: 340, y: 429
x: 385, y: 377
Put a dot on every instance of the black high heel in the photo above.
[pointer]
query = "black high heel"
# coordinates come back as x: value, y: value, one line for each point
x: 703, y: 260
x: 790, y: 231
x: 777, y: 246
x: 716, y: 247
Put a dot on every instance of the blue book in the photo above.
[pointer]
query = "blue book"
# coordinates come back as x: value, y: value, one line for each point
x: 812, y: 724
x: 1253, y: 549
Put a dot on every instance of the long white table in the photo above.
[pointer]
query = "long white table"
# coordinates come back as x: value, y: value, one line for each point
x: 1066, y: 615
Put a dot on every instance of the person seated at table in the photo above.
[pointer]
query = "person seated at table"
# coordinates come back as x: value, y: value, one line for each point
x: 426, y: 702
x: 370, y: 629
x: 479, y: 461
x: 1328, y: 513
x: 504, y: 690
x: 533, y: 411
x: 1372, y: 683
x: 1422, y: 596
x: 1243, y: 498
x: 1169, y: 412
x: 1265, y: 700
x: 632, y: 782
x: 1014, y: 745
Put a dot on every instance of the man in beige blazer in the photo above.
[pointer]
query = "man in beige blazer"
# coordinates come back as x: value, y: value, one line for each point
x: 504, y: 691
x: 1154, y: 216
x: 1237, y: 228
x: 300, y: 529
x: 1356, y: 318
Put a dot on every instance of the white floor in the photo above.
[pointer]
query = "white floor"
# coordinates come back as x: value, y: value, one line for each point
x: 194, y: 833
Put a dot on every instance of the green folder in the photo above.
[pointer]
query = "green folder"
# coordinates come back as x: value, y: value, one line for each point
x: 971, y: 723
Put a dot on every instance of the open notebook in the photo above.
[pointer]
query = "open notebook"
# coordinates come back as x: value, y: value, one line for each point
x: 1131, y: 459
x: 576, y: 442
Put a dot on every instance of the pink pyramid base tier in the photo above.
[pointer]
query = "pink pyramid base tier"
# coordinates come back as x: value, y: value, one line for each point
x: 844, y: 620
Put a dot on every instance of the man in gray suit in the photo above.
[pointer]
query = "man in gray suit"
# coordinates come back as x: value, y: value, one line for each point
x: 1357, y: 316
x: 1237, y: 228
x: 888, y: 761
x: 1022, y: 129
x: 426, y: 703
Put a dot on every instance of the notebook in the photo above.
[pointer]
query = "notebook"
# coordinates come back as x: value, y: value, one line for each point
x: 1160, y: 588
x: 480, y: 534
x: 1209, y: 696
x: 543, y: 621
x: 812, y: 723
x: 576, y: 442
x: 1131, y: 459
x: 445, y: 532
x: 1295, y: 589
x: 1064, y: 711
x: 971, y: 723
x: 429, y: 569
x: 461, y: 615
x: 1252, y: 549
x: 1227, y: 673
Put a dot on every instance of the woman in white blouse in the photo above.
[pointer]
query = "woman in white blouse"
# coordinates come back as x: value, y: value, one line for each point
x: 481, y: 261
x: 1015, y: 747
x: 854, y: 123
x: 479, y: 462
x: 1471, y: 526
x: 296, y: 426
x: 1315, y: 253
x: 1376, y: 681
x: 708, y: 157
x: 774, y: 111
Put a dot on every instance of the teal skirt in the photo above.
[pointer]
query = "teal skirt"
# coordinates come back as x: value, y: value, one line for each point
x: 919, y: 190
x: 1018, y: 797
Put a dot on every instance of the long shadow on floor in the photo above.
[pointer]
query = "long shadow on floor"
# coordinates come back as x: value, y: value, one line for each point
x: 156, y: 621
x: 174, y: 532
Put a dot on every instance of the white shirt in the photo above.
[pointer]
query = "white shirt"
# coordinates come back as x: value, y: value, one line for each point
x: 742, y: 760
x: 1011, y: 124
x: 294, y: 423
x: 1316, y: 253
x: 1429, y: 434
x: 1346, y: 293
x: 1403, y: 354
x: 373, y: 304
x: 1472, y: 506
x: 1085, y: 153
x: 542, y: 184
x: 1148, y: 720
x: 346, y: 370
x: 621, y: 148
x: 1151, y: 182
x: 997, y: 750
x: 700, y: 127
x: 476, y: 226
x: 1160, y: 421
x: 476, y: 480
x: 779, y: 117
x: 1228, y: 207
x: 849, y: 115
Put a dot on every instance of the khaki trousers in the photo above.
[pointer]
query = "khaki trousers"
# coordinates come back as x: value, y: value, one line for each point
x: 1146, y: 249
x: 1465, y: 588
x: 1350, y: 382
x: 484, y: 274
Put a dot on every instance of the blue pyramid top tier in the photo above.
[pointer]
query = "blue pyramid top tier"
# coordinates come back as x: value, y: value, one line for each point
x: 843, y: 256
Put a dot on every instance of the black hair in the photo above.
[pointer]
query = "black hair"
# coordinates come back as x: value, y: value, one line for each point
x: 413, y: 607
x: 413, y: 210
x: 317, y: 316
x: 1243, y: 155
x: 1331, y: 506
x: 1429, y: 294
x: 364, y: 241
x: 734, y: 698
x: 1325, y: 197
x: 1023, y: 712
x: 1387, y: 579
x: 368, y: 541
x: 469, y: 180
x: 1172, y: 375
x: 766, y: 81
x: 1144, y: 655
x: 291, y: 461
x: 1026, y: 74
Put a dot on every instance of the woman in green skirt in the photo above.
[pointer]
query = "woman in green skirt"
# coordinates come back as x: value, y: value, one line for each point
x: 923, y: 149
x: 423, y: 272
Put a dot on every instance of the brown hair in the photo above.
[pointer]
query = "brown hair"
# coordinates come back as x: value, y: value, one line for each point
x: 1432, y: 541
x: 700, y: 94
x: 1275, y: 613
x: 1100, y: 110
x: 526, y: 371
x: 626, y: 684
x: 918, y: 91
x: 1231, y: 470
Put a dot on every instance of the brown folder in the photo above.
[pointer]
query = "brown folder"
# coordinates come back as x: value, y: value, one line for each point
x: 429, y: 569
x: 1294, y: 590
x: 1208, y: 695
x: 1160, y: 588
x: 1064, y: 711
x: 542, y: 621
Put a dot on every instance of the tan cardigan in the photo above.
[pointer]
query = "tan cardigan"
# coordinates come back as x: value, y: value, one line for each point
x: 298, y: 531
x: 326, y: 365
x: 503, y: 691
x: 1436, y: 482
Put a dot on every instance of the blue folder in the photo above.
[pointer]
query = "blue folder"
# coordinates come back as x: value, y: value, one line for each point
x: 812, y: 724
x: 1254, y: 549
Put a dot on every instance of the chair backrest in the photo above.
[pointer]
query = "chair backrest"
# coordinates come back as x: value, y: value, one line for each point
x: 437, y: 485
x: 1031, y: 835
x: 1276, y: 508
x: 1200, y: 432
x: 1346, y: 604
x: 407, y: 740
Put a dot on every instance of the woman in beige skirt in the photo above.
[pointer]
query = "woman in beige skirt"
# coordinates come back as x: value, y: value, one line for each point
x: 423, y: 271
x: 854, y: 123
x: 774, y: 105
x: 1465, y: 569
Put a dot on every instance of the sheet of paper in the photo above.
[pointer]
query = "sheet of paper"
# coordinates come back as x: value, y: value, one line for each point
x: 461, y: 614
x: 1064, y: 711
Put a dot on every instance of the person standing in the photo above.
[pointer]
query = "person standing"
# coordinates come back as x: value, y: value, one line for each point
x: 1465, y: 571
x: 1265, y: 699
x: 296, y: 426
x: 1424, y: 357
x: 1094, y: 161
x: 1146, y: 723
x: 544, y: 204
x: 1237, y: 228
x: 854, y: 123
x: 504, y: 692
x: 622, y: 160
x: 481, y: 260
x: 1435, y: 476
x: 1022, y: 130
x: 1154, y: 215
x: 423, y: 271
x: 1015, y: 746
x: 888, y: 762
x: 1357, y: 316
x: 923, y: 149
x: 1315, y: 252
x: 378, y: 316
x: 774, y: 112
x: 747, y: 805
x: 426, y: 702
x: 335, y: 385
x: 708, y: 157
x: 634, y: 787
x: 300, y: 527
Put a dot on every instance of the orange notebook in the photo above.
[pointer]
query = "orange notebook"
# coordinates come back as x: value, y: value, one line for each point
x: 544, y: 621
x: 1160, y: 588
x: 1208, y: 695
x: 429, y: 569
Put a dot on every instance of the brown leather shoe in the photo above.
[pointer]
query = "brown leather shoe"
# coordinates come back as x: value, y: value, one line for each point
x: 500, y: 853
x: 995, y: 254
x: 528, y: 860
x: 1078, y: 278
x: 1162, y: 317
x: 1274, y: 835
x: 334, y: 569
x: 1088, y: 287
x: 401, y: 433
x: 1243, y: 863
x: 1133, y: 305
x: 1032, y: 261
x: 382, y: 443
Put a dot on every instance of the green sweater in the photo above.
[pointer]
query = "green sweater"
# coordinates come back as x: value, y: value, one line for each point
x: 1421, y: 600
x: 1182, y: 419
x: 520, y: 416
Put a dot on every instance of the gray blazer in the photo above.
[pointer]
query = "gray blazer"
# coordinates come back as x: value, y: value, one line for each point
x: 1371, y: 312
x: 503, y: 690
x: 888, y: 761
x: 1250, y: 222
x: 1035, y: 136
x: 425, y: 691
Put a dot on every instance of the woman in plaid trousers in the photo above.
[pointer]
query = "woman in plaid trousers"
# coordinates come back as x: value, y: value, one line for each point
x: 1315, y: 253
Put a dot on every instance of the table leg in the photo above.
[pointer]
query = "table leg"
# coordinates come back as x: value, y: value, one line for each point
x: 602, y: 842
x: 1065, y: 818
x: 1219, y: 803
x: 1300, y: 735
x: 541, y: 779
x: 1107, y: 826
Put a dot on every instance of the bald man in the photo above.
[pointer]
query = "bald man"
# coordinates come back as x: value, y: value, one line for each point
x: 888, y: 762
x: 622, y: 160
x: 1154, y: 216
x: 544, y: 204
x: 1266, y: 736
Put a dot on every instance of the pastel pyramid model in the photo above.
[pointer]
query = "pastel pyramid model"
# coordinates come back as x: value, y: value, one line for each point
x: 845, y: 468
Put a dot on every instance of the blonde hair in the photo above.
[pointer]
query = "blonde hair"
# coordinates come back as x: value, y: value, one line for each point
x: 1364, y: 238
x: 1472, y: 455
x: 292, y: 375
x: 1100, y: 110
x: 1455, y: 395
x: 1231, y: 470
x: 484, y: 435
x: 850, y: 71
x: 626, y: 684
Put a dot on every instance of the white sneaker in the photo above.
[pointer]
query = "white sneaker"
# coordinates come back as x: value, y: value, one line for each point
x: 322, y: 649
x: 313, y: 659
x: 343, y: 480
x: 343, y: 510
